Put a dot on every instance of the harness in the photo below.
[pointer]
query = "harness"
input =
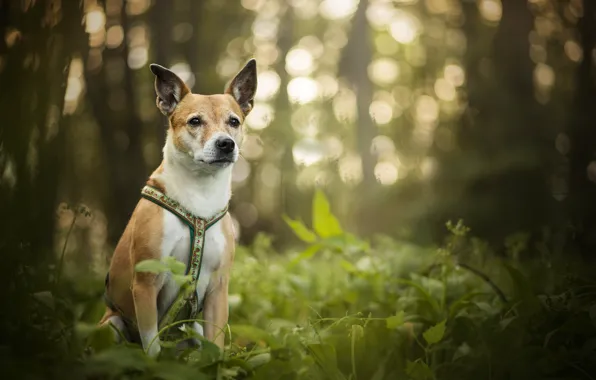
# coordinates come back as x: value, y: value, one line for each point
x: 197, y: 227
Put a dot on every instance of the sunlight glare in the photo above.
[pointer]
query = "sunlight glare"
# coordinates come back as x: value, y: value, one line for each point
x: 328, y: 85
x: 381, y: 112
x: 252, y: 147
x: 95, y: 21
x: 382, y: 146
x: 427, y: 109
x: 350, y: 169
x: 302, y: 90
x: 268, y: 86
x: 334, y: 148
x: 573, y: 50
x: 380, y: 14
x: 445, y: 90
x: 338, y: 9
x: 241, y: 170
x: 344, y: 105
x: 138, y: 57
x: 260, y: 117
x: 405, y: 27
x: 491, y: 10
x: 544, y: 75
x: 183, y: 70
x: 299, y: 62
x: 308, y: 151
x: 454, y: 74
x: 386, y: 173
x: 114, y: 36
x: 383, y: 71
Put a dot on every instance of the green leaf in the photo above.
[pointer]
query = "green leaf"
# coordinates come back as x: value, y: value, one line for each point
x: 101, y: 338
x: 323, y: 352
x: 181, y: 280
x: 418, y: 370
x: 174, y: 371
x: 153, y: 266
x: 301, y: 231
x: 424, y: 293
x: 395, y: 321
x: 259, y: 360
x: 435, y: 334
x: 306, y: 254
x: 174, y: 265
x: 116, y: 360
x: 324, y: 222
x: 255, y: 334
x: 326, y: 357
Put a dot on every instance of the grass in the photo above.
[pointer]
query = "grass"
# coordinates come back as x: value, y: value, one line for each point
x: 344, y: 308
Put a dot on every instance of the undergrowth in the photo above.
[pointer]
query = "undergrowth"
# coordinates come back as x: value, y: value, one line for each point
x: 344, y: 308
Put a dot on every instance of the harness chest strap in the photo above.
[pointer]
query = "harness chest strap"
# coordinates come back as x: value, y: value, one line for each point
x: 197, y: 227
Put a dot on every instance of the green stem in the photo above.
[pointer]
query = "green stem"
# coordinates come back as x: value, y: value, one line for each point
x: 178, y: 323
x: 59, y: 274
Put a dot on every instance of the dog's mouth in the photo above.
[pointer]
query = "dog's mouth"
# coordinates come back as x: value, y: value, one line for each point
x: 219, y: 161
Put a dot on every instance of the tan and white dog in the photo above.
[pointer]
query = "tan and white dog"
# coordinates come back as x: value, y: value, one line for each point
x: 203, y: 141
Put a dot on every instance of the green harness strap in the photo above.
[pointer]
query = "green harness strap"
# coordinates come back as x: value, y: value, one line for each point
x: 198, y: 227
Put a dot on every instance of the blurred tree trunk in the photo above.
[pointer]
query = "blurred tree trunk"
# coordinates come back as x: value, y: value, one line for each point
x: 195, y: 47
x: 289, y: 194
x: 504, y: 155
x: 356, y: 57
x: 161, y: 32
x: 38, y: 43
x: 353, y: 65
x: 112, y: 96
x: 583, y: 134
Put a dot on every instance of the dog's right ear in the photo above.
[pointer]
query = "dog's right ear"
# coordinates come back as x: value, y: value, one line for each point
x: 170, y: 89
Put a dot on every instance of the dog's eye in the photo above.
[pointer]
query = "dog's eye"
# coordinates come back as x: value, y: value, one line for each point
x: 195, y: 121
x: 234, y: 122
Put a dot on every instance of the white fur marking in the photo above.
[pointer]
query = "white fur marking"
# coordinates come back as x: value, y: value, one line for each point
x: 204, y: 195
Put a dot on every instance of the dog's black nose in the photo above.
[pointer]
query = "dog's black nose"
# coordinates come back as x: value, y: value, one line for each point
x: 225, y: 145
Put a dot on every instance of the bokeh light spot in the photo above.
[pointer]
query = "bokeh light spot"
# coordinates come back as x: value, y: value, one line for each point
x: 303, y: 90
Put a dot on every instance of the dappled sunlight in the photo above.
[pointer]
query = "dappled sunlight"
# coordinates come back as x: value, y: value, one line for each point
x: 261, y: 116
x: 303, y: 90
x: 405, y: 27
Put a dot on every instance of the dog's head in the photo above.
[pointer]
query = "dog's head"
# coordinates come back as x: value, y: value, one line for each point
x: 206, y: 129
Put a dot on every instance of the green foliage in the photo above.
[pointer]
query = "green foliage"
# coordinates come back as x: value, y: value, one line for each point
x: 166, y: 265
x: 380, y: 310
x: 435, y: 334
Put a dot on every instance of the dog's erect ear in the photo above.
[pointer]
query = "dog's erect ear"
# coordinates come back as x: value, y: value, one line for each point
x: 170, y: 89
x: 244, y: 86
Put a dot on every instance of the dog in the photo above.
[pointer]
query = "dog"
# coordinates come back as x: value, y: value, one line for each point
x: 192, y: 185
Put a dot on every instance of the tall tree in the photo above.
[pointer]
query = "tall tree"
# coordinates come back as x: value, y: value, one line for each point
x: 502, y: 136
x: 39, y: 40
x: 583, y: 132
x: 356, y: 57
x: 113, y: 103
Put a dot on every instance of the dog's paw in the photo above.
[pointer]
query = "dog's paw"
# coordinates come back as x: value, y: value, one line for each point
x: 154, y: 350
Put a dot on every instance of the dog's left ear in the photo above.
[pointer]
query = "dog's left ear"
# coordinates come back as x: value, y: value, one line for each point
x: 244, y: 86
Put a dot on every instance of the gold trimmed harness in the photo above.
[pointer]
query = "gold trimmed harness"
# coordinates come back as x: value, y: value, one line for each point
x: 197, y: 228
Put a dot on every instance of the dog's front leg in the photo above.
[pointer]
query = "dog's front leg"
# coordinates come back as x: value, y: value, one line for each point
x: 216, y: 312
x: 145, y: 299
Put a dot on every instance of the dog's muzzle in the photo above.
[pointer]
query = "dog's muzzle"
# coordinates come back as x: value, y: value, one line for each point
x: 225, y: 148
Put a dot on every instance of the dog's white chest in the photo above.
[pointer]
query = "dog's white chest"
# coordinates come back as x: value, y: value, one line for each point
x: 176, y: 242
